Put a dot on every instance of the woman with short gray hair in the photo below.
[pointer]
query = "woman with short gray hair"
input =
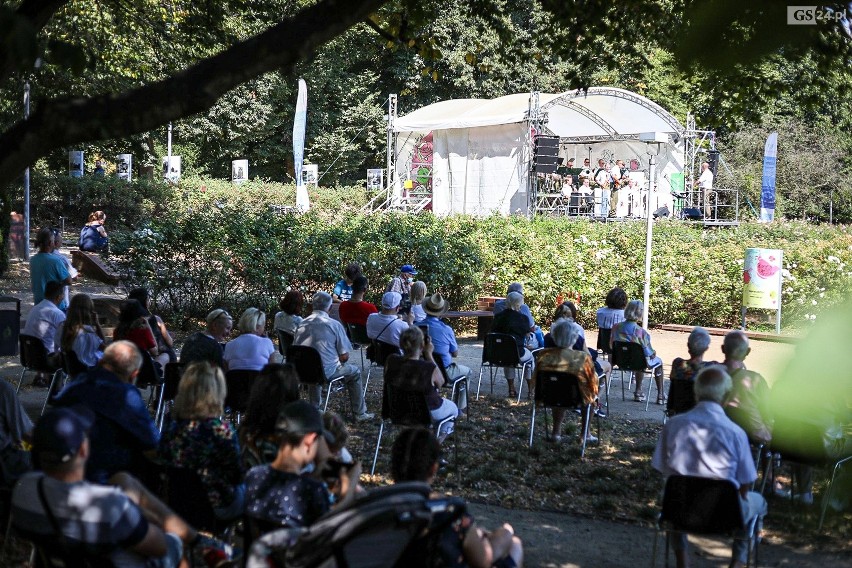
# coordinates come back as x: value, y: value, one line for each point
x: 512, y: 322
x: 563, y: 358
x: 629, y: 331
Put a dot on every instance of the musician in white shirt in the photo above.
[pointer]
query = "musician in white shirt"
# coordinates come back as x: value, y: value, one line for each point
x: 705, y: 184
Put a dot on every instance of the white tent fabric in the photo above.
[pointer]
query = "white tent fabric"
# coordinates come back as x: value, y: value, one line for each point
x: 479, y: 150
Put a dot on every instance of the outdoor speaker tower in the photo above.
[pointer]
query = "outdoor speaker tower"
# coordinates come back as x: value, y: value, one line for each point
x: 546, y: 154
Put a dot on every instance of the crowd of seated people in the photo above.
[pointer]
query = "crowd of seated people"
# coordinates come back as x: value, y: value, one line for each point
x: 250, y: 350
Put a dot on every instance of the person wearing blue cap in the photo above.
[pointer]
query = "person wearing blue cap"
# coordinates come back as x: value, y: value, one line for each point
x: 62, y: 513
x: 401, y: 283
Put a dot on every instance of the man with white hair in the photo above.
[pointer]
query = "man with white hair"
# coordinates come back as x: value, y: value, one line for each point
x: 514, y: 323
x: 387, y: 326
x: 328, y: 337
x: 748, y: 403
x: 501, y: 305
x: 704, y: 442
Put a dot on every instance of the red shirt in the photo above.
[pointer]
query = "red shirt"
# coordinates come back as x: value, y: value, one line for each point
x: 356, y: 312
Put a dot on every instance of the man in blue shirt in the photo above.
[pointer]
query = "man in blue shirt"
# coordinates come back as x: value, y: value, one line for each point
x: 46, y: 267
x: 123, y: 430
x: 444, y: 343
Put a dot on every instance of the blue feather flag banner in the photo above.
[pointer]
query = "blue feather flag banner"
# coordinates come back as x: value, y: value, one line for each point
x: 767, y: 186
x: 299, y: 123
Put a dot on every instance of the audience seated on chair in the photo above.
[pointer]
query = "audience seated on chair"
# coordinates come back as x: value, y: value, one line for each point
x: 133, y: 326
x: 290, y: 316
x: 418, y: 294
x: 444, y: 345
x: 516, y: 324
x: 629, y: 331
x: 274, y: 388
x: 251, y: 350
x: 355, y: 310
x: 15, y: 428
x: 43, y: 321
x: 568, y: 311
x: 388, y: 326
x: 81, y: 332
x: 564, y: 358
x: 207, y: 345
x: 416, y: 370
x: 613, y: 312
x: 121, y: 522
x: 344, y: 288
x: 198, y: 439
x: 697, y: 345
x: 123, y: 431
x: 748, y: 402
x: 328, y: 337
x: 165, y: 343
x: 704, y: 442
x: 279, y: 494
x: 414, y: 457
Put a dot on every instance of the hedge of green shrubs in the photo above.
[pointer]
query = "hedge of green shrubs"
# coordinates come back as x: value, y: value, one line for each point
x: 222, y: 247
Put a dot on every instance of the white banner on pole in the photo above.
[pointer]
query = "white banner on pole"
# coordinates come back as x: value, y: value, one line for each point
x: 239, y: 171
x: 75, y: 163
x: 303, y: 202
x: 124, y: 166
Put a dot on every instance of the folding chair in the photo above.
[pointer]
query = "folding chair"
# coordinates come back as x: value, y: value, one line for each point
x: 703, y: 506
x: 681, y: 397
x: 628, y: 357
x: 554, y: 389
x: 358, y: 337
x: 171, y: 375
x: 239, y: 383
x: 377, y: 529
x: 457, y: 386
x: 501, y: 350
x: 311, y: 373
x: 151, y: 376
x: 403, y: 407
x: 285, y: 340
x: 381, y: 350
x: 603, y: 342
x: 34, y: 358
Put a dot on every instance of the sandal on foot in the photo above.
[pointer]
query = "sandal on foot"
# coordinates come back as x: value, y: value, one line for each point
x: 639, y: 398
x: 661, y: 400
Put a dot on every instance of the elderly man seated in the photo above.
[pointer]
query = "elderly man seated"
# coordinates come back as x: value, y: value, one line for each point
x: 207, y: 345
x: 704, y: 442
x: 748, y: 402
x: 387, y: 326
x: 564, y: 359
x: 697, y: 345
x: 445, y: 347
x: 328, y: 337
x: 511, y: 321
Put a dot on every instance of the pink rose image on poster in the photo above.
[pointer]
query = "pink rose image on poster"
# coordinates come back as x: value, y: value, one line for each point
x: 764, y: 268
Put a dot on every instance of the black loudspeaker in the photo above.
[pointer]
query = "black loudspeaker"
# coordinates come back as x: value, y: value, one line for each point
x: 661, y: 212
x: 713, y: 160
x: 691, y: 213
x: 546, y: 157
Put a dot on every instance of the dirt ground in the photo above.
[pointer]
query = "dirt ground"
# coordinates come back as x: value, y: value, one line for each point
x: 552, y: 539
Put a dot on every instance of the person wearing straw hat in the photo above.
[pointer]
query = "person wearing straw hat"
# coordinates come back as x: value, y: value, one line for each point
x: 445, y: 347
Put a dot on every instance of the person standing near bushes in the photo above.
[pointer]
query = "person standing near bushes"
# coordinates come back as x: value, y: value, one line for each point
x: 46, y: 267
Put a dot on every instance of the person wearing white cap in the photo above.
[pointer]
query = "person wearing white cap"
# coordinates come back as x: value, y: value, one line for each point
x: 387, y: 326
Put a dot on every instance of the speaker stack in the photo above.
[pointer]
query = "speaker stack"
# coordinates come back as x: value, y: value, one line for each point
x: 713, y: 161
x: 546, y: 155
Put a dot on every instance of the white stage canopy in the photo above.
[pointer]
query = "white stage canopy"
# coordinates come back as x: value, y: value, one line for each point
x: 473, y: 155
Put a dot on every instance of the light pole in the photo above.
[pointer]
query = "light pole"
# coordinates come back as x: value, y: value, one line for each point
x: 650, y: 138
x: 27, y: 180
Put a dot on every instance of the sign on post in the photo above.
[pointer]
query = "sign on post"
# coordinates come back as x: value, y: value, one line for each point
x: 75, y: 163
x: 239, y: 171
x: 124, y: 166
x: 762, y: 281
x: 171, y: 171
x: 375, y: 178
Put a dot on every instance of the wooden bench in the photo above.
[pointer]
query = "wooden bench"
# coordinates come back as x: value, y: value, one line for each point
x: 92, y: 265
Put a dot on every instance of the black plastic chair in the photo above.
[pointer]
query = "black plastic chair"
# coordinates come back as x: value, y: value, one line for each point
x: 151, y: 377
x: 239, y: 383
x: 404, y: 407
x: 186, y: 495
x: 379, y: 353
x: 72, y: 364
x: 554, y: 389
x: 501, y: 350
x: 358, y: 336
x: 702, y: 506
x: 681, y: 397
x: 308, y: 365
x: 285, y: 340
x: 628, y: 357
x: 603, y: 341
x: 34, y: 357
x: 171, y: 379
